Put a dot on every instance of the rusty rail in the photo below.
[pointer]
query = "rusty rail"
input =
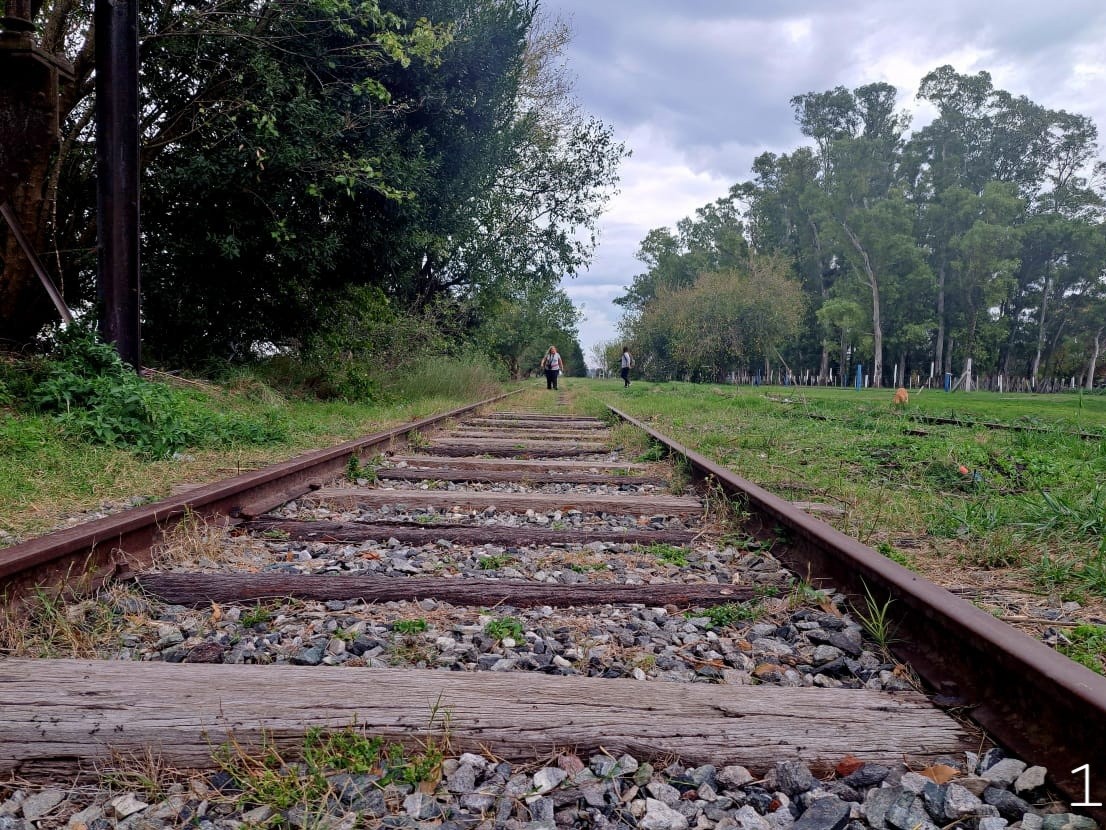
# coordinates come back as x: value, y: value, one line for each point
x: 1046, y: 708
x: 90, y: 554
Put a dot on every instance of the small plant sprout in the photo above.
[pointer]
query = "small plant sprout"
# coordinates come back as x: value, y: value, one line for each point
x: 504, y: 627
x: 876, y: 619
x: 416, y: 625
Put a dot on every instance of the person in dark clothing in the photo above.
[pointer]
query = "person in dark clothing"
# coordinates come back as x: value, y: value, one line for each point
x: 553, y: 366
x: 627, y: 362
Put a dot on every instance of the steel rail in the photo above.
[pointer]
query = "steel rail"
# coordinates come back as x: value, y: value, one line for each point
x: 90, y: 554
x: 1047, y: 709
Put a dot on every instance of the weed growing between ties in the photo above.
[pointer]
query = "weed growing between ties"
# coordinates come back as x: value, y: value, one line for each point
x: 875, y: 618
x: 727, y: 614
x: 503, y: 628
x: 44, y: 625
x: 308, y: 778
x: 667, y: 554
x: 360, y: 472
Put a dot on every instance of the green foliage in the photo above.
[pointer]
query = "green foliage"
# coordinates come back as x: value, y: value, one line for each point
x: 492, y: 563
x: 668, y: 554
x: 254, y: 616
x: 268, y: 778
x: 727, y: 614
x: 96, y: 397
x: 504, y: 627
x: 876, y: 619
x: 1071, y: 515
x: 1087, y: 645
x: 417, y: 625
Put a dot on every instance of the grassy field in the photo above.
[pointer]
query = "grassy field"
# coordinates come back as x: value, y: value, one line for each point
x: 49, y: 479
x: 1010, y: 519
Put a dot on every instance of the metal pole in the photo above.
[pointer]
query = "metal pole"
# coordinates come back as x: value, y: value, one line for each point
x: 116, y: 24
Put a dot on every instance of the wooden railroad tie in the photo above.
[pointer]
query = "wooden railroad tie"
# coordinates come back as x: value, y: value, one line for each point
x: 526, y: 476
x: 478, y: 463
x: 660, y: 505
x: 419, y: 534
x: 63, y: 716
x: 201, y: 588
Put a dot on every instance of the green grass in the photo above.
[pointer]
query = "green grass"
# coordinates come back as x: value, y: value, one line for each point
x: 494, y: 562
x: 47, y: 475
x: 727, y: 614
x: 504, y: 627
x: 416, y: 625
x: 1087, y: 646
x: 987, y: 498
x: 668, y: 554
x: 269, y: 777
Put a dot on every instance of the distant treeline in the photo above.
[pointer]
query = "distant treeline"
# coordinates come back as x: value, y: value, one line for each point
x: 977, y: 240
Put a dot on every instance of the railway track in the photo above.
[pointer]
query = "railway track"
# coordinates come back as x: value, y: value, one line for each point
x: 597, y: 626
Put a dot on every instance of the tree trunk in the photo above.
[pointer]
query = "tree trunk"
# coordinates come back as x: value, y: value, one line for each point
x: 1041, y: 322
x: 1091, y: 364
x: 939, y: 355
x: 877, y: 326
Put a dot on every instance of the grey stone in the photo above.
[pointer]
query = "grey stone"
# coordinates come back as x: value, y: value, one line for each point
x: 1005, y: 772
x: 477, y: 802
x: 422, y: 806
x: 13, y: 823
x: 125, y: 805
x: 933, y: 797
x: 914, y: 783
x: 39, y: 804
x: 1009, y: 806
x: 734, y: 776
x: 877, y: 802
x: 307, y: 657
x: 973, y: 784
x: 547, y: 778
x: 1068, y: 821
x: 960, y: 803
x: 907, y: 813
x: 1032, y: 779
x: 829, y: 813
x: 748, y: 819
x: 663, y: 792
x: 258, y: 815
x: 659, y: 816
x: 867, y: 776
x: 781, y: 819
x: 86, y: 816
x: 793, y: 777
x: 1032, y: 821
x: 541, y: 812
x: 992, y: 823
x: 462, y: 780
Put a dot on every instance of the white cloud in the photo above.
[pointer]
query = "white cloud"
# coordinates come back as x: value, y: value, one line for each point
x: 698, y: 90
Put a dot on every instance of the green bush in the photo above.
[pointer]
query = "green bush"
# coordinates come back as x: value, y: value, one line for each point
x: 97, y: 397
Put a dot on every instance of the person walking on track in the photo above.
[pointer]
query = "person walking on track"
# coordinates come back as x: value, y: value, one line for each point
x: 553, y: 366
x: 627, y: 362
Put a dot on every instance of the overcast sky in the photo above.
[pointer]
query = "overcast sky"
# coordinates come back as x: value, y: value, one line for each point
x: 698, y: 88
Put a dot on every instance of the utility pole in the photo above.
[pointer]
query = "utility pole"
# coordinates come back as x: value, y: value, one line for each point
x: 117, y: 172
